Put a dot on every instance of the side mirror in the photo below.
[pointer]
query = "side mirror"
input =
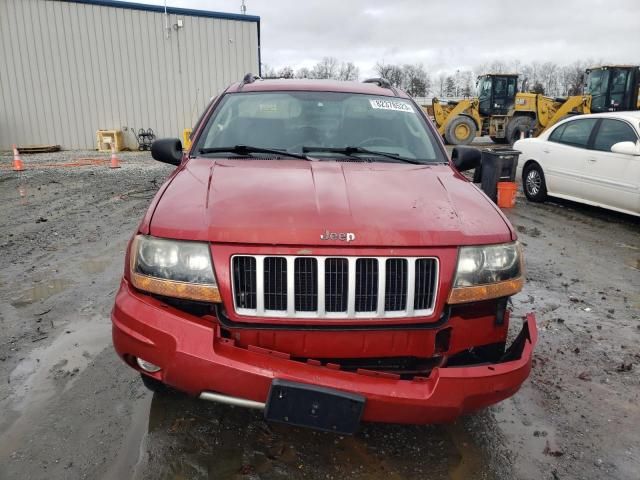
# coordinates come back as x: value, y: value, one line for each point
x: 167, y: 150
x: 466, y: 158
x: 626, y: 148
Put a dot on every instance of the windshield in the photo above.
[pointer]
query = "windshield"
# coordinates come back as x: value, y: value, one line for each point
x: 299, y: 122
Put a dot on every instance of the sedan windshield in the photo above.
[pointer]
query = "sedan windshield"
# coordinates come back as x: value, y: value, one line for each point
x: 322, y: 125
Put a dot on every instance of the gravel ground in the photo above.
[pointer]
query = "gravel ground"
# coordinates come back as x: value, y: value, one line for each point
x: 71, y: 409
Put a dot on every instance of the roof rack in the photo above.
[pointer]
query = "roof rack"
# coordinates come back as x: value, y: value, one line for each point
x: 382, y: 83
x: 249, y: 78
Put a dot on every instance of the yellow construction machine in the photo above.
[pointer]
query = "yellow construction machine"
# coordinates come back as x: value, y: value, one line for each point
x: 503, y: 113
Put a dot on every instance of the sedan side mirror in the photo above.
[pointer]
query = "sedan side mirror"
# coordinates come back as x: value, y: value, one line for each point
x: 167, y: 150
x: 466, y: 158
x: 626, y: 148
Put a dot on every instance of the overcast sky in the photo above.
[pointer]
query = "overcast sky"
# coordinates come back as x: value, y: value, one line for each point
x: 443, y: 35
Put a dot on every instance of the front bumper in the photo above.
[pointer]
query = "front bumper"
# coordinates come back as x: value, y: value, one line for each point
x: 194, y: 358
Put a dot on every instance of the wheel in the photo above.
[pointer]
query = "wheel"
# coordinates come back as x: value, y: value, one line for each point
x: 460, y: 131
x: 533, y: 182
x: 501, y: 141
x: 516, y: 126
x: 154, y: 385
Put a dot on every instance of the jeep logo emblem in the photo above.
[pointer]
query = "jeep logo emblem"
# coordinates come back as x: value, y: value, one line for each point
x: 342, y: 236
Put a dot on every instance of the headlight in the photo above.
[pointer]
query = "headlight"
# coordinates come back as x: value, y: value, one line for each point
x: 173, y: 268
x: 487, y: 272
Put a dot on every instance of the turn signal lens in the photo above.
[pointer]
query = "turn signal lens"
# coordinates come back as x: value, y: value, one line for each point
x: 485, y: 292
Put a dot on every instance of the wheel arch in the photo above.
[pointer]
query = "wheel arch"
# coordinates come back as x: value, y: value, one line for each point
x: 528, y: 162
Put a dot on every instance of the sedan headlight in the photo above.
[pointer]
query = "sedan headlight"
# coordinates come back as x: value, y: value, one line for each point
x: 487, y: 272
x: 173, y: 268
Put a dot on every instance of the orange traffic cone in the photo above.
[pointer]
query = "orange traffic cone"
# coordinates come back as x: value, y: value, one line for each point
x: 18, y: 166
x: 115, y: 163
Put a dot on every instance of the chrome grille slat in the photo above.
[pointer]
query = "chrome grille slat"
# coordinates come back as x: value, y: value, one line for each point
x: 259, y: 286
x: 411, y: 278
x: 351, y: 286
x: 382, y: 281
x: 333, y: 287
x: 290, y: 299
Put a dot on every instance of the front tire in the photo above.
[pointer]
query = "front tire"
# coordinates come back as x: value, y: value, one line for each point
x: 516, y: 126
x: 460, y: 131
x: 533, y: 182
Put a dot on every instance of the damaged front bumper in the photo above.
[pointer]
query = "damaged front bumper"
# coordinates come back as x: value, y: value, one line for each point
x: 195, y: 358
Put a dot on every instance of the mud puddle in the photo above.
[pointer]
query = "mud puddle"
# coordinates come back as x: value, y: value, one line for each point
x: 201, y: 440
x: 41, y: 292
x: 45, y: 372
x: 95, y: 265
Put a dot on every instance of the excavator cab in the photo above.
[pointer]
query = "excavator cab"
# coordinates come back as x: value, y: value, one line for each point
x: 613, y: 88
x: 496, y: 93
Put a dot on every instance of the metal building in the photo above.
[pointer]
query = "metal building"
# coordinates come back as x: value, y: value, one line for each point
x: 69, y: 68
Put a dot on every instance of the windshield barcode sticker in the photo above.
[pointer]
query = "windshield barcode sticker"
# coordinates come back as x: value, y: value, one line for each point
x: 391, y: 105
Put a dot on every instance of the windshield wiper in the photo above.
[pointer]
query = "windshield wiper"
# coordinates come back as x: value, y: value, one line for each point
x: 248, y: 150
x: 350, y: 151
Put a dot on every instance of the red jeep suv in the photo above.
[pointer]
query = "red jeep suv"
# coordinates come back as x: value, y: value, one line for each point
x: 316, y: 254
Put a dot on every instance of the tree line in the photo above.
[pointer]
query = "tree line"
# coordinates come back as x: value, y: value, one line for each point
x: 548, y: 78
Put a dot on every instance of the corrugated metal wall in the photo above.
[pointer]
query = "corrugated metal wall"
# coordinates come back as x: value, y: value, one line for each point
x: 69, y: 69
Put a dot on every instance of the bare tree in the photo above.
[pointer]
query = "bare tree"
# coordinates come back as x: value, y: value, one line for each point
x: 464, y: 83
x: 393, y: 73
x: 548, y: 77
x: 417, y: 82
x: 497, y: 67
x: 303, y: 72
x: 286, y: 72
x: 268, y: 71
x: 449, y: 87
x: 325, y: 68
x: 573, y: 77
x: 348, y: 71
x: 442, y: 78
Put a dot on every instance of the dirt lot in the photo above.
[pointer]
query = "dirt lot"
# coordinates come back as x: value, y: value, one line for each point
x: 71, y: 409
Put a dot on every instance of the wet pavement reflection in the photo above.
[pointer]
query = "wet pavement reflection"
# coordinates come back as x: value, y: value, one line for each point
x: 191, y: 439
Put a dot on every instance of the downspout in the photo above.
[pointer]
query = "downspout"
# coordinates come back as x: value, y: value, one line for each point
x: 259, y: 51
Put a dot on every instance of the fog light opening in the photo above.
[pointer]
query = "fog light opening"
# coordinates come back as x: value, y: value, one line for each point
x: 147, y: 366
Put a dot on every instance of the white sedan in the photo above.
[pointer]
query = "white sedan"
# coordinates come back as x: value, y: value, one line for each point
x: 593, y: 159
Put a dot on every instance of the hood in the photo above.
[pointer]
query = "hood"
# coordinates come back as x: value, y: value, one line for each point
x: 292, y: 202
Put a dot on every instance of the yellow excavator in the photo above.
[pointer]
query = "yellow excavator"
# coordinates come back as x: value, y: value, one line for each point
x: 503, y: 113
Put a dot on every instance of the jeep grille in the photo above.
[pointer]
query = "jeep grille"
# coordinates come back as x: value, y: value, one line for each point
x: 334, y: 287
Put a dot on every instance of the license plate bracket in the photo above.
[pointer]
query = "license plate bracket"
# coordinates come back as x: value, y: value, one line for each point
x: 314, y: 407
